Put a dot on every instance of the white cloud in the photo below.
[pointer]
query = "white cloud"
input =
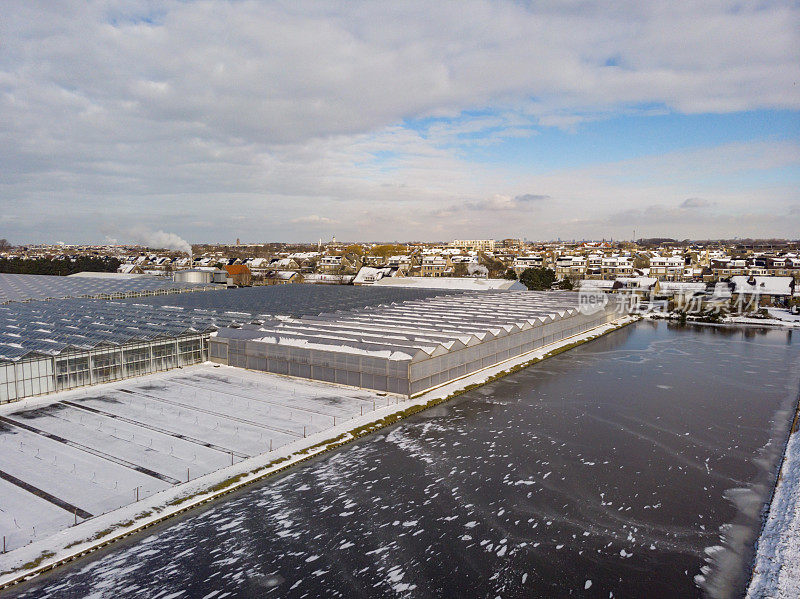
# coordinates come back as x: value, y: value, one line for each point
x: 312, y: 219
x: 173, y: 112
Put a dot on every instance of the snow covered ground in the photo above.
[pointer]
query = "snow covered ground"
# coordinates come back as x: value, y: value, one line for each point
x: 69, y: 456
x: 230, y: 410
x: 777, y: 318
x: 776, y: 573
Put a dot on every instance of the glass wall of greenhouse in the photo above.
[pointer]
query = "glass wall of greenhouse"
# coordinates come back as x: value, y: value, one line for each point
x: 37, y: 376
x: 411, y: 347
x: 63, y: 344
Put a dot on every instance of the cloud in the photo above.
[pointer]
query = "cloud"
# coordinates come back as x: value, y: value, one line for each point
x: 530, y: 197
x: 503, y: 202
x: 690, y: 203
x: 116, y: 111
x: 313, y: 219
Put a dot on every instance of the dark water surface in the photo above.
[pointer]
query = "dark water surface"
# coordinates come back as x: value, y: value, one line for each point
x: 632, y: 466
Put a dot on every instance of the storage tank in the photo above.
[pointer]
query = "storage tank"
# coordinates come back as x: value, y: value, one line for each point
x: 194, y: 275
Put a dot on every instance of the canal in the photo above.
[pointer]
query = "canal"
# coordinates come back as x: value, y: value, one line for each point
x: 632, y: 466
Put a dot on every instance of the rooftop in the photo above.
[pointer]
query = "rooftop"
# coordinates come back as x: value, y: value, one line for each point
x: 20, y: 288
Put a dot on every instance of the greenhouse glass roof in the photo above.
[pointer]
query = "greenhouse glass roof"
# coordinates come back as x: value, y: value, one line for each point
x: 50, y: 328
x: 415, y: 328
x: 21, y: 288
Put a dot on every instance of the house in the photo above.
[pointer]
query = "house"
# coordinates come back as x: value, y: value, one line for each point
x: 337, y: 264
x: 667, y: 268
x: 616, y: 266
x: 282, y: 277
x: 639, y: 286
x: 258, y: 266
x: 367, y: 275
x: 437, y: 266
x: 239, y: 275
x: 402, y: 263
x: 130, y: 269
x: 762, y: 291
x: 523, y: 262
x: 570, y: 266
x: 284, y: 264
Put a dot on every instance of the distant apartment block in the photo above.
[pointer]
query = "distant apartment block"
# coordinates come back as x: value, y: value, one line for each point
x: 474, y: 245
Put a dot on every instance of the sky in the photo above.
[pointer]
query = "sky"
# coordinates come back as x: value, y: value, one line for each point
x: 297, y: 121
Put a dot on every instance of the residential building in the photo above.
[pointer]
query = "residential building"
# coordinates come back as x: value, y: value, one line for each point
x: 523, y: 262
x: 437, y: 266
x: 667, y: 268
x: 476, y: 245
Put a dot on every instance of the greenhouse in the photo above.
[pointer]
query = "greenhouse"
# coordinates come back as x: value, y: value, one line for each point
x: 52, y: 346
x: 23, y: 288
x: 409, y: 347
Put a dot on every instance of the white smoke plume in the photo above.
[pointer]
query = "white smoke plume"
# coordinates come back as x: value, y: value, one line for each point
x: 161, y: 240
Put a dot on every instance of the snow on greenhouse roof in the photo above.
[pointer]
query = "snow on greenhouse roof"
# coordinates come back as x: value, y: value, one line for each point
x: 415, y: 329
x: 50, y: 328
x: 21, y: 288
x: 464, y: 283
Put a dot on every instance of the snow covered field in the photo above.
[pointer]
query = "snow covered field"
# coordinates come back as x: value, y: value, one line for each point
x: 70, y: 456
x: 776, y: 572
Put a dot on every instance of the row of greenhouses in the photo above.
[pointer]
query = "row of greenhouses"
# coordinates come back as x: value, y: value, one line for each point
x: 410, y: 347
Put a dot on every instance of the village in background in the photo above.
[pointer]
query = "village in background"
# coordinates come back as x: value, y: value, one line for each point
x: 704, y: 279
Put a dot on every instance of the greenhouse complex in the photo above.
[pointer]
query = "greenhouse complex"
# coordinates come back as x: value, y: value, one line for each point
x: 409, y: 347
x: 404, y: 343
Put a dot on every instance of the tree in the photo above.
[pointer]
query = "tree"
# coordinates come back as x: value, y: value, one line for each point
x: 510, y: 274
x: 384, y: 251
x: 566, y: 284
x: 354, y: 249
x: 537, y: 279
x: 460, y: 269
x: 495, y: 267
x: 4, y: 245
x: 58, y: 266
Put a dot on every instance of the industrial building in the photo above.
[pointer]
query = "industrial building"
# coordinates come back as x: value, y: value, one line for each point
x: 409, y: 347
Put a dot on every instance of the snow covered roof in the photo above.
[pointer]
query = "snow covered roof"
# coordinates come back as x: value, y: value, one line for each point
x: 368, y: 275
x: 638, y: 282
x: 467, y: 284
x: 763, y: 285
x: 413, y: 330
x: 681, y: 287
x: 597, y: 284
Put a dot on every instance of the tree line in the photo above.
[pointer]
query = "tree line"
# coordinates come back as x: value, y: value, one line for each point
x: 58, y: 266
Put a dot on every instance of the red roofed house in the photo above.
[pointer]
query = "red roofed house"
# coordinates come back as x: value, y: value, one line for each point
x: 239, y: 275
